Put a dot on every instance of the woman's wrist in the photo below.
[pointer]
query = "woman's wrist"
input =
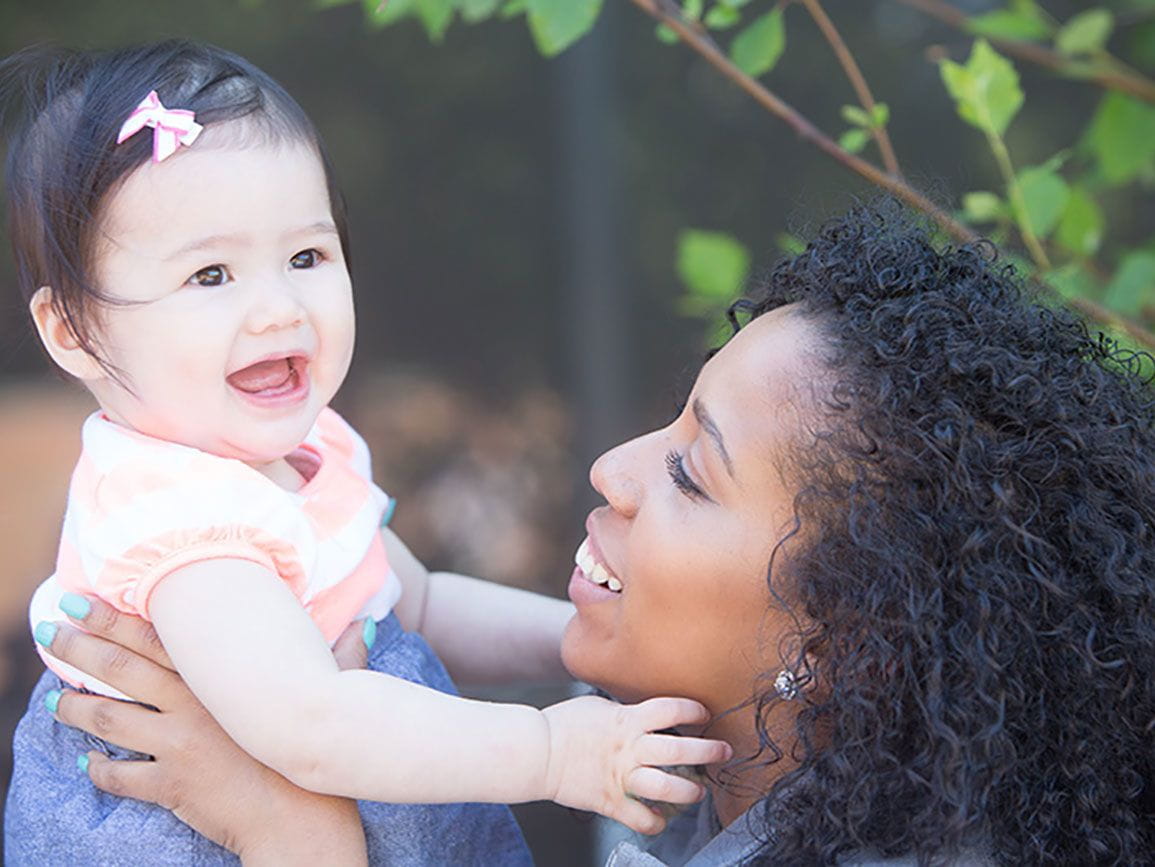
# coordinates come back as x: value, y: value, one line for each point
x: 301, y: 827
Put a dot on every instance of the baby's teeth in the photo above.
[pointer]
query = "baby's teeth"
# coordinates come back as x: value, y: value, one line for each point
x: 615, y: 585
x: 599, y: 575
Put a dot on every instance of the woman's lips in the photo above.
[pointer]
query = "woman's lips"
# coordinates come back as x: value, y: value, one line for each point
x: 583, y: 591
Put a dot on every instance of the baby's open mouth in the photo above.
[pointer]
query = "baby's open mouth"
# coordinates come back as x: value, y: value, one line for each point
x: 270, y: 377
x: 595, y: 571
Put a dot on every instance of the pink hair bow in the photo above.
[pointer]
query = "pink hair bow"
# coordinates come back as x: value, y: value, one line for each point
x: 172, y: 127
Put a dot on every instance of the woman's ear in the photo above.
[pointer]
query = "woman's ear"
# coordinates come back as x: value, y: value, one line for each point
x: 59, y: 340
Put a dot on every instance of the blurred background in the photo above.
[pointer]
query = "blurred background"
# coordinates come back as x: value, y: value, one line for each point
x: 514, y: 232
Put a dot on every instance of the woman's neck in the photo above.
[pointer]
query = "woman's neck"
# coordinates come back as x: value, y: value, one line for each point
x: 735, y: 790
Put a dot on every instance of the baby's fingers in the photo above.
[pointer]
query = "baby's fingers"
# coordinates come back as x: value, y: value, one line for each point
x: 638, y: 817
x: 658, y: 785
x: 665, y: 713
x: 674, y: 750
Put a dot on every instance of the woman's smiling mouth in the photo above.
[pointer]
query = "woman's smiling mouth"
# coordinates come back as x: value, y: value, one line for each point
x: 593, y: 570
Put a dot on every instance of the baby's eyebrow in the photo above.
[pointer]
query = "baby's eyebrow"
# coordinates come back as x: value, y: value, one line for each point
x: 204, y: 244
x: 706, y: 421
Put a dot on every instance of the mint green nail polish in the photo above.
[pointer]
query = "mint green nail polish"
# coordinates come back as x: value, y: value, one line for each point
x: 52, y: 699
x: 369, y: 632
x: 75, y: 605
x: 390, y: 508
x: 82, y: 763
x: 44, y: 633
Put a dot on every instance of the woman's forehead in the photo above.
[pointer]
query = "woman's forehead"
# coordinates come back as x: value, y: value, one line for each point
x: 757, y: 387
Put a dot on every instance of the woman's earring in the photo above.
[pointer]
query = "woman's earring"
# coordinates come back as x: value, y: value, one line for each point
x: 787, y: 685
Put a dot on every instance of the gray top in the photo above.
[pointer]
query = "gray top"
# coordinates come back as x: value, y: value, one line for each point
x: 696, y: 838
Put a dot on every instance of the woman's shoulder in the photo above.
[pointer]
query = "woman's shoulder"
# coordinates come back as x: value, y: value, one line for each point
x: 695, y: 838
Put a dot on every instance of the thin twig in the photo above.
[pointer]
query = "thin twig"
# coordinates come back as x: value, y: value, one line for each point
x: 1126, y: 81
x: 801, y: 125
x: 896, y: 186
x: 857, y: 81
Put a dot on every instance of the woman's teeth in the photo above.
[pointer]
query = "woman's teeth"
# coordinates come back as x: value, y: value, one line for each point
x: 594, y: 570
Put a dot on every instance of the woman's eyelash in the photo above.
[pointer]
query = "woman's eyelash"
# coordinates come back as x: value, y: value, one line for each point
x: 681, y: 478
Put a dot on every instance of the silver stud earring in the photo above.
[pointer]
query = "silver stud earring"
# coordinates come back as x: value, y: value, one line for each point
x: 786, y: 684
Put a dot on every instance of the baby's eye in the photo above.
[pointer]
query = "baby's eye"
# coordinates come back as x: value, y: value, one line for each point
x: 213, y: 275
x: 310, y: 258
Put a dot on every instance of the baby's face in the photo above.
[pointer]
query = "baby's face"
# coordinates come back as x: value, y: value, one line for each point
x: 238, y: 322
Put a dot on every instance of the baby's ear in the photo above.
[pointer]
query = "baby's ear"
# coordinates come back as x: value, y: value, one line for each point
x: 59, y: 340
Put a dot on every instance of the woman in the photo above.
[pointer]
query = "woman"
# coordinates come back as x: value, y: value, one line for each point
x: 900, y: 542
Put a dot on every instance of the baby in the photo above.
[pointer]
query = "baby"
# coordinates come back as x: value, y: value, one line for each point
x: 182, y: 248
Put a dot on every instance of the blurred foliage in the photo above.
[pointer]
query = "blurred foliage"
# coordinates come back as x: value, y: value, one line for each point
x: 1051, y: 204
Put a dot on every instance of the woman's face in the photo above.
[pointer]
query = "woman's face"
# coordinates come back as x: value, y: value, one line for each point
x: 693, y: 513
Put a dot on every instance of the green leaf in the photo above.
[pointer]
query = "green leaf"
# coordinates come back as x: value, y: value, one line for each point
x: 854, y: 140
x: 1071, y: 281
x: 713, y: 265
x: 733, y: 4
x: 557, y: 24
x: 855, y: 116
x: 757, y: 48
x: 1045, y: 196
x: 1081, y: 227
x: 790, y: 244
x: 1009, y: 24
x: 666, y: 34
x: 477, y: 10
x: 435, y: 15
x: 1122, y: 137
x: 380, y: 15
x: 513, y: 8
x: 880, y: 115
x: 1086, y: 33
x: 985, y: 90
x: 983, y: 207
x: 722, y: 17
x: 692, y: 9
x: 1133, y: 286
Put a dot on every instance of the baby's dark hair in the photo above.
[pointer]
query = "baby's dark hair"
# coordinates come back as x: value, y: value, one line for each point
x: 63, y: 159
x: 974, y: 567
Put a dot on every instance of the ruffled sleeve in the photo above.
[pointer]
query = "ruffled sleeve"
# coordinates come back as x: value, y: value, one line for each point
x: 146, y: 519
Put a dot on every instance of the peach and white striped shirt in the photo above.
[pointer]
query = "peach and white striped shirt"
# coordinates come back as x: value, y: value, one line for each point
x: 140, y: 508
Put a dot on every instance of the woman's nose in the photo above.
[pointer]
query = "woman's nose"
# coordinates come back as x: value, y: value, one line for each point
x: 616, y: 476
x: 275, y: 307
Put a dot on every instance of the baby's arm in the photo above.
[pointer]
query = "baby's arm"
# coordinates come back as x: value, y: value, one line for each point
x: 261, y: 667
x: 484, y: 632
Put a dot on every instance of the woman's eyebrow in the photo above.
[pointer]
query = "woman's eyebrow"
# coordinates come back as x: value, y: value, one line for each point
x: 707, y: 424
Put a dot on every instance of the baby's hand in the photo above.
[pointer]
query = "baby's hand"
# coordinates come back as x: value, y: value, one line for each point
x: 603, y: 756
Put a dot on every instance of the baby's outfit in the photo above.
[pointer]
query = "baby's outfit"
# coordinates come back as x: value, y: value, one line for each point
x: 140, y: 508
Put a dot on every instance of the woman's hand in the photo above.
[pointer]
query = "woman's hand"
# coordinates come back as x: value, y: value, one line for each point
x: 199, y: 772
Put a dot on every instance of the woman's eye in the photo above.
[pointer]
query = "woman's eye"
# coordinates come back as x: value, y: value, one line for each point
x: 681, y: 478
x: 306, y: 259
x: 213, y: 275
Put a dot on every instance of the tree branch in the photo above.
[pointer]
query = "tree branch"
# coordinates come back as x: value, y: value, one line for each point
x: 857, y: 80
x: 1122, y: 80
x: 896, y: 186
x: 801, y: 125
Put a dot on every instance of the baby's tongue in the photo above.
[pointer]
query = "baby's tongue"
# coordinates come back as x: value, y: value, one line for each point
x: 262, y: 376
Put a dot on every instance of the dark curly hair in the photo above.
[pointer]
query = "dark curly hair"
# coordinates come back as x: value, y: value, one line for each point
x: 975, y: 579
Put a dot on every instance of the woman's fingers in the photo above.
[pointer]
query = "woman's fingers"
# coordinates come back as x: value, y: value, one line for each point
x: 352, y: 647
x: 118, y: 666
x: 657, y: 749
x: 658, y: 785
x: 100, y: 618
x: 141, y: 780
x: 125, y: 724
